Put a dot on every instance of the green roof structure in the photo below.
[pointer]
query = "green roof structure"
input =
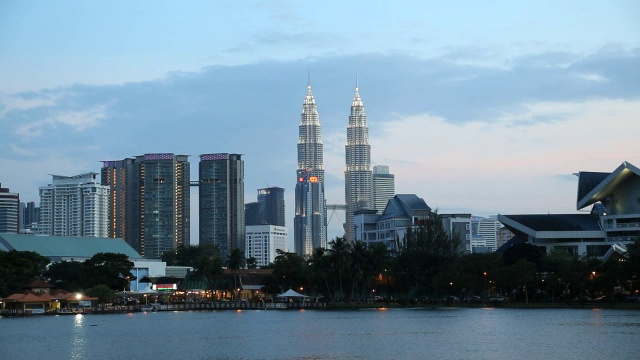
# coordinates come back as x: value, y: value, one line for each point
x: 59, y: 248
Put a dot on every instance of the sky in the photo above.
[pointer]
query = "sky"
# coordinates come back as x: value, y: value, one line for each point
x: 476, y: 107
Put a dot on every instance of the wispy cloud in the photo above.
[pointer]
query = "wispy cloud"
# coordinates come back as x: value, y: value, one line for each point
x: 77, y: 120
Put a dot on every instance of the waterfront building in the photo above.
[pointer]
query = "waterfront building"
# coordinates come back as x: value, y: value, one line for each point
x: 74, y: 206
x: 402, y: 211
x: 150, y: 203
x: 262, y: 241
x: 357, y: 175
x: 383, y: 187
x: 9, y: 211
x: 612, y: 223
x: 310, y: 221
x: 221, y: 182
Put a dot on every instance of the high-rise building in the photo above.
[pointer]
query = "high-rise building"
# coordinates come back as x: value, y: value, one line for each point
x: 150, y: 202
x: 357, y: 175
x: 271, y: 202
x: 119, y: 175
x: 310, y: 222
x: 74, y: 206
x: 485, y: 231
x: 221, y: 182
x: 384, y: 188
x: 252, y: 214
x: 9, y: 211
x: 30, y: 215
x: 262, y: 241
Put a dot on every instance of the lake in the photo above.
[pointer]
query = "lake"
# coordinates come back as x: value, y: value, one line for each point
x: 444, y: 333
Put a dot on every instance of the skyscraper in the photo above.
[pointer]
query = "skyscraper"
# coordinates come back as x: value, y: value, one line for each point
x: 271, y: 202
x: 9, y: 211
x: 221, y: 182
x: 74, y: 206
x: 384, y: 188
x: 357, y: 176
x: 150, y: 203
x: 119, y: 176
x: 310, y: 222
x: 30, y: 215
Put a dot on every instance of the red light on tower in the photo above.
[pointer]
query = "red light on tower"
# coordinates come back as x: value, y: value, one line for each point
x: 313, y: 179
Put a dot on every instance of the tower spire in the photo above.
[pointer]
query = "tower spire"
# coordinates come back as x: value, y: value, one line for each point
x: 356, y: 80
x: 309, y: 78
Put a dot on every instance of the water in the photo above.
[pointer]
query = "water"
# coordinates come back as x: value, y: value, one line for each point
x: 455, y: 333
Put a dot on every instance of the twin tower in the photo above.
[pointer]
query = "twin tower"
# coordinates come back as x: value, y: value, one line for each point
x: 310, y: 222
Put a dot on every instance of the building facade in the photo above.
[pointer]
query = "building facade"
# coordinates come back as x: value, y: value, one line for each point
x: 30, y: 215
x: 252, y: 214
x: 262, y: 241
x: 9, y: 211
x: 357, y: 175
x: 384, y: 188
x: 149, y: 205
x: 221, y: 182
x: 403, y: 211
x: 74, y: 206
x: 271, y: 202
x: 612, y: 223
x: 310, y: 221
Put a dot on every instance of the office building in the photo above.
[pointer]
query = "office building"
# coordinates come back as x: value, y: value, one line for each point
x: 384, y: 188
x: 271, y: 201
x: 252, y: 214
x: 74, y: 206
x: 262, y: 241
x: 221, y: 182
x: 310, y: 221
x: 357, y: 175
x: 9, y: 211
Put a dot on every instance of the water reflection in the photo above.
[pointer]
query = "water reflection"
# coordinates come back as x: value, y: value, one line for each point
x: 78, y: 338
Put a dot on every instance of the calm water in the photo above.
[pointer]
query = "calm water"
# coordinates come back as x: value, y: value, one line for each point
x: 360, y: 334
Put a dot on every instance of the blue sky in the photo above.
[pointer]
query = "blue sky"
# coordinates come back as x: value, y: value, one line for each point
x: 476, y: 107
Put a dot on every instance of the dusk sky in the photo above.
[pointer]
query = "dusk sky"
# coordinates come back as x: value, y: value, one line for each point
x: 476, y: 107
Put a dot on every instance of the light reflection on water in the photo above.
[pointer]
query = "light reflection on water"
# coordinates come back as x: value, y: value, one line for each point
x: 449, y: 333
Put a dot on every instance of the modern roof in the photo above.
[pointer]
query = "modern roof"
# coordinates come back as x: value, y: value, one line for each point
x: 556, y: 222
x: 594, y: 187
x: 56, y: 247
x: 405, y: 205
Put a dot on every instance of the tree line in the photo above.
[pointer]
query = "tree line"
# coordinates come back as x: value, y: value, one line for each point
x: 424, y: 264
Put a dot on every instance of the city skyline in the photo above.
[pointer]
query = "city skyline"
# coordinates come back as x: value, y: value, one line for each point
x: 476, y: 109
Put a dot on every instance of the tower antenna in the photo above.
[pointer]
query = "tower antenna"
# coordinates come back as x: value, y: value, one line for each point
x: 308, y: 77
x: 356, y: 80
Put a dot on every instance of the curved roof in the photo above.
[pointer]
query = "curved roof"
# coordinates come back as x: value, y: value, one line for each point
x: 594, y: 187
x: 66, y: 246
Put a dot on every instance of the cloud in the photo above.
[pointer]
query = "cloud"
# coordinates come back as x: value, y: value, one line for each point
x: 461, y: 135
x: 78, y: 121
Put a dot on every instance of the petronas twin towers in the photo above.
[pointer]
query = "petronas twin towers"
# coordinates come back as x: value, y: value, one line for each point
x: 310, y: 222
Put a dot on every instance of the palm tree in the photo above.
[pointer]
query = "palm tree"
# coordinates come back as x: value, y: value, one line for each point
x: 319, y: 263
x: 339, y: 255
x: 235, y: 262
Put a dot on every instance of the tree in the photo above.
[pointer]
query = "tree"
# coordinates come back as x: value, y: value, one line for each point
x: 319, y: 264
x: 252, y: 263
x: 17, y: 268
x: 339, y: 254
x: 68, y: 275
x: 104, y: 294
x: 235, y: 262
x: 425, y: 250
x: 290, y: 270
x: 113, y: 270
